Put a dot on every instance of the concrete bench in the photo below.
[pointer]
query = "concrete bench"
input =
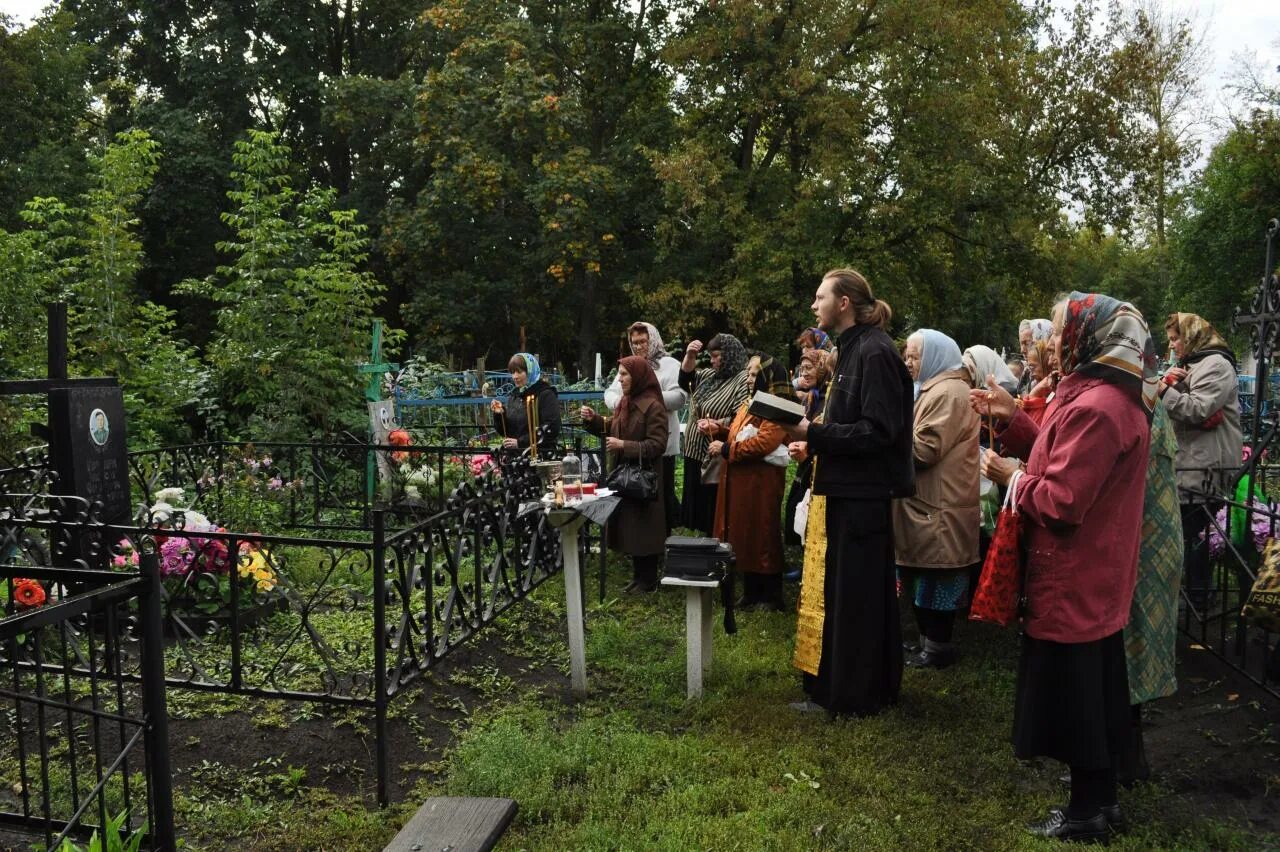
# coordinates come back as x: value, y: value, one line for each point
x: 455, y: 824
x: 698, y: 605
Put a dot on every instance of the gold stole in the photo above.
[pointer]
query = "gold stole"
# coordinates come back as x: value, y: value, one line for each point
x: 812, y: 607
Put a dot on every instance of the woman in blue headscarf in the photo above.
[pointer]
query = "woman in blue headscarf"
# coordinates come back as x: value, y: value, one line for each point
x: 935, y: 532
x: 534, y: 407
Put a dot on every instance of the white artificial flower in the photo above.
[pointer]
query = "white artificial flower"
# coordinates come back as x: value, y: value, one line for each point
x: 172, y: 496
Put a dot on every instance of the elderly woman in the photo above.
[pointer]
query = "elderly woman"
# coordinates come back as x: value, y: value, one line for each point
x: 814, y: 374
x: 1202, y: 395
x: 1029, y: 332
x: 1044, y: 379
x: 935, y: 532
x: 636, y: 434
x: 533, y: 406
x: 1081, y: 504
x: 749, y: 499
x: 982, y: 361
x: 715, y: 397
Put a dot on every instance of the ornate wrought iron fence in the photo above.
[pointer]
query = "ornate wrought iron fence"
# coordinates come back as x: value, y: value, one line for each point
x: 287, y: 616
x: 86, y: 749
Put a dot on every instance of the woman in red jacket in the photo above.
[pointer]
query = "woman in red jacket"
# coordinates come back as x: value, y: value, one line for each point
x: 1081, y: 503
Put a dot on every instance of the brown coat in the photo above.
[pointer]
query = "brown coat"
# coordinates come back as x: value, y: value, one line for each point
x: 638, y: 529
x: 938, y: 527
x: 751, y: 493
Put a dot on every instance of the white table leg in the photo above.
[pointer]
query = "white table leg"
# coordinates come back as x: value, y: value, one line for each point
x: 573, y: 602
x: 707, y: 612
x: 693, y: 610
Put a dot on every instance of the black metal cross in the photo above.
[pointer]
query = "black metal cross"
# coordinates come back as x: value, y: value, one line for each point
x: 1263, y: 321
x: 57, y: 369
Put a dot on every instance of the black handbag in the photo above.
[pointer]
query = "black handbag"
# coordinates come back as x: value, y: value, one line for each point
x: 633, y: 481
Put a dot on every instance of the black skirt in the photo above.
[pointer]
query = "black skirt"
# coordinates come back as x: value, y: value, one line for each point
x: 698, y: 507
x: 1072, y: 701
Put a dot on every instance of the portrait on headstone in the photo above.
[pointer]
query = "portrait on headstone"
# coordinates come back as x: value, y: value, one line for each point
x: 382, y: 422
x: 99, y: 428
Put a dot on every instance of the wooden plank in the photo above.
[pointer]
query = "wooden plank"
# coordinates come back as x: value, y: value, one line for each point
x: 455, y: 824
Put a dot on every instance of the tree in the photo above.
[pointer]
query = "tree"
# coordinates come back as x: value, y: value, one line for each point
x: 1217, y: 249
x: 928, y: 144
x: 540, y: 200
x: 293, y: 308
x: 45, y: 114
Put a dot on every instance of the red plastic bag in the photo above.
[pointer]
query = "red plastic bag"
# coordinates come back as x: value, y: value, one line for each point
x: 1000, y: 585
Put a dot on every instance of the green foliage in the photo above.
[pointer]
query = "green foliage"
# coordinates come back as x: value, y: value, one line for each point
x: 113, y: 839
x: 1217, y: 250
x: 44, y: 110
x: 294, y: 307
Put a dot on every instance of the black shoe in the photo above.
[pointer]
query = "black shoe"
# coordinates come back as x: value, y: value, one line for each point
x: 636, y: 587
x: 1057, y: 826
x: 807, y: 707
x: 932, y: 660
x: 791, y: 576
x: 1115, y: 818
x: 911, y: 647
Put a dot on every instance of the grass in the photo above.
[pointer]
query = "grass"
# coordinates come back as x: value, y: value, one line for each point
x: 635, y: 766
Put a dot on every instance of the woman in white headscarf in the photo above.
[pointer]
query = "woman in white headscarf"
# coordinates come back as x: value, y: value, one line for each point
x: 983, y: 361
x: 935, y: 532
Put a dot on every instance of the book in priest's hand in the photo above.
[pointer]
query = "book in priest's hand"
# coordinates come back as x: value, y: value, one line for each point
x: 776, y: 408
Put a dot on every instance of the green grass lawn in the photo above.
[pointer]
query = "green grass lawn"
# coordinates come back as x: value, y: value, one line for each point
x: 635, y: 766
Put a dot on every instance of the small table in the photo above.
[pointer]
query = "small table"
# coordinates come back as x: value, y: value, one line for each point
x: 698, y: 605
x: 568, y: 519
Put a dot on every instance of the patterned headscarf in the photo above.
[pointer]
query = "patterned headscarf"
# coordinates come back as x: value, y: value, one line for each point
x: 818, y: 360
x: 733, y: 360
x: 657, y: 349
x: 1109, y: 339
x: 772, y: 378
x: 817, y: 337
x: 982, y: 361
x: 531, y: 367
x: 1200, y: 338
x: 1041, y: 329
x: 644, y: 382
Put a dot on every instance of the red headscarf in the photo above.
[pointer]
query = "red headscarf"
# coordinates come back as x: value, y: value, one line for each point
x: 644, y: 383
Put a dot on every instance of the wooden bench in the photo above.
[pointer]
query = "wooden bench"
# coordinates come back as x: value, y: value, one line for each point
x: 698, y: 606
x: 455, y: 824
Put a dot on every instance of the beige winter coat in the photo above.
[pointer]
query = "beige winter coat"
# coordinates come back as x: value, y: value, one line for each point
x: 1207, y: 458
x: 938, y: 527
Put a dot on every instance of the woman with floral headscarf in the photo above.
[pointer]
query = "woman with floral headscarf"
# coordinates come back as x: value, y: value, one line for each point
x: 1202, y: 395
x: 534, y: 406
x: 935, y: 531
x: 716, y: 394
x: 636, y: 434
x: 1081, y: 505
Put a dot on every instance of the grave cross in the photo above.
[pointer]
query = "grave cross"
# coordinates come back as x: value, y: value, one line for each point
x: 1264, y: 322
x: 376, y: 366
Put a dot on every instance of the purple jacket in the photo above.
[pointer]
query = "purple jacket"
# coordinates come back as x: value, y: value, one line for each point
x: 1081, y: 504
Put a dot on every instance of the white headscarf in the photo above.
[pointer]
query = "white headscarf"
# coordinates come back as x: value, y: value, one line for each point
x: 657, y: 351
x: 1041, y: 329
x: 982, y: 361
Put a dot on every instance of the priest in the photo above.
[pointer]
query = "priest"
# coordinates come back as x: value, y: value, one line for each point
x: 848, y: 638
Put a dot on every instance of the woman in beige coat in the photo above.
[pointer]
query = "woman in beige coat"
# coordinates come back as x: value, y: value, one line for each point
x: 935, y: 532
